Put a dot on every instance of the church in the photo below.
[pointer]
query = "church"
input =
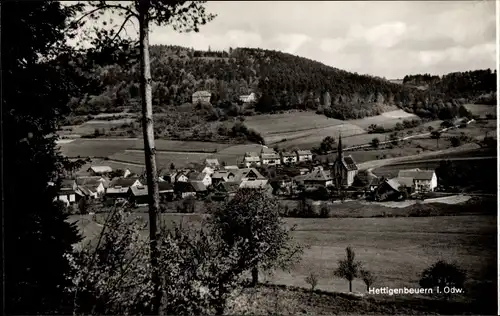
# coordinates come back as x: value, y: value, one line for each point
x: 344, y: 168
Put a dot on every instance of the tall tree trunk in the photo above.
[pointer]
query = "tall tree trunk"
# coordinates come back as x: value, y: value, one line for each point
x: 255, y: 276
x: 149, y: 150
x: 350, y: 286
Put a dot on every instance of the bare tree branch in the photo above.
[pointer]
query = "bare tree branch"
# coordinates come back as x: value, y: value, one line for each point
x: 121, y: 27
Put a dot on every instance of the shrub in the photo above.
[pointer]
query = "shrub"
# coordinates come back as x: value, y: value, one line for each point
x: 442, y: 274
x: 324, y: 212
x: 312, y: 280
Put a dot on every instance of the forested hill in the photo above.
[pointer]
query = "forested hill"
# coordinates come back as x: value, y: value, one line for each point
x: 281, y: 81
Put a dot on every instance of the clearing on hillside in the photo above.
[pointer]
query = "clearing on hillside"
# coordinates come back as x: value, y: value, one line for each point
x: 481, y: 109
x: 163, y: 159
x: 85, y: 147
x: 387, y: 119
x: 187, y: 146
x: 234, y: 154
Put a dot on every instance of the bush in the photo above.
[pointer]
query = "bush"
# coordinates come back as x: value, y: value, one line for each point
x: 324, y: 212
x: 442, y: 274
x: 312, y: 280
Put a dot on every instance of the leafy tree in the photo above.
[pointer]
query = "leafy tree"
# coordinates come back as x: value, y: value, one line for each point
x: 436, y: 135
x: 455, y: 141
x: 252, y: 220
x: 375, y: 142
x: 348, y: 268
x: 182, y: 16
x: 39, y: 85
x: 430, y: 128
x: 327, y: 144
x: 367, y: 278
x: 312, y: 280
x: 443, y: 274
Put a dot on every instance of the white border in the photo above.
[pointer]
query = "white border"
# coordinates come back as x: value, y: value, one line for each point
x: 497, y: 9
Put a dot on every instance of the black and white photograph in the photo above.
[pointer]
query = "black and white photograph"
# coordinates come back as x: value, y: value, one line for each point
x: 250, y: 157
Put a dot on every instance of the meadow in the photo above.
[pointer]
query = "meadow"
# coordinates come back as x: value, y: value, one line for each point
x: 395, y: 250
x: 97, y: 147
x: 184, y: 146
x: 481, y: 109
x: 387, y: 119
x: 163, y: 159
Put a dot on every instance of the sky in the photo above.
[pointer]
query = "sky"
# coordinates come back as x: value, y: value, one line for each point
x: 382, y: 38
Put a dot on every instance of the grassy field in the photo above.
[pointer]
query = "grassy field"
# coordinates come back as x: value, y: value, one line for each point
x: 395, y: 250
x: 481, y: 109
x: 188, y: 146
x: 387, y: 119
x: 163, y: 159
x: 234, y: 154
x: 96, y: 147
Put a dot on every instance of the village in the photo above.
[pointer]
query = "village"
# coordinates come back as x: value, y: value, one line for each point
x: 285, y: 174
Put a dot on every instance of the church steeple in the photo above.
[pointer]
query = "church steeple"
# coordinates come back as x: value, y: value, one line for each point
x: 339, y: 148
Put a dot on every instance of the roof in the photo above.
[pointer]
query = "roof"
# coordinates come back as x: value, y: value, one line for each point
x: 202, y: 94
x: 424, y: 175
x: 66, y: 192
x: 251, y: 154
x: 229, y: 187
x: 408, y: 173
x: 318, y: 175
x: 253, y: 184
x: 252, y: 158
x: 198, y: 186
x: 406, y: 181
x: 140, y: 190
x: 122, y: 182
x: 165, y: 187
x: 288, y: 154
x: 304, y: 152
x: 394, y: 184
x: 101, y: 169
x: 249, y: 172
x: 89, y: 181
x: 270, y: 156
x: 67, y: 183
x: 212, y: 162
x: 349, y: 163
x: 184, y: 187
x: 196, y: 176
x: 231, y: 167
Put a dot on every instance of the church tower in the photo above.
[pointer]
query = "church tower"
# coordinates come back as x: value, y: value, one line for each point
x: 338, y: 166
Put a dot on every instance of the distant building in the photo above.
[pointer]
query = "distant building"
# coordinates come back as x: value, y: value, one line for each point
x: 304, y: 155
x: 184, y: 189
x: 99, y: 170
x: 420, y: 180
x: 317, y: 178
x: 344, y: 168
x: 288, y: 157
x: 201, y: 97
x: 202, y: 177
x: 251, y: 158
x: 67, y: 196
x: 119, y: 187
x: 248, y: 98
x: 269, y: 157
x: 212, y: 162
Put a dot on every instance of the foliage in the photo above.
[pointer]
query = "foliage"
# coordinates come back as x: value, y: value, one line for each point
x: 367, y: 278
x: 455, y: 141
x: 40, y: 84
x: 312, y: 280
x: 327, y: 144
x: 252, y: 220
x: 442, y: 274
x: 348, y: 268
x: 375, y: 142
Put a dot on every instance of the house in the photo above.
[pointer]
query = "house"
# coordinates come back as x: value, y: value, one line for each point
x: 126, y: 173
x: 303, y: 170
x: 208, y: 170
x: 246, y: 174
x: 317, y: 178
x: 254, y: 184
x: 250, y: 159
x: 212, y: 162
x: 223, y: 176
x: 282, y: 184
x: 181, y: 176
x: 202, y: 177
x: 344, y: 168
x: 231, y: 167
x: 201, y: 97
x: 184, y: 189
x: 68, y: 184
x: 93, y: 187
x: 422, y: 180
x: 169, y: 177
x: 99, y: 170
x: 67, y: 196
x: 138, y: 195
x: 227, y: 188
x: 288, y: 157
x: 269, y: 157
x: 388, y: 190
x: 119, y: 186
x: 304, y: 155
x: 199, y: 187
x: 248, y: 98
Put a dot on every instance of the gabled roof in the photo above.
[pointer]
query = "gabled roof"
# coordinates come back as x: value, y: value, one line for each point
x: 165, y: 187
x: 424, y: 175
x: 394, y: 184
x: 318, y: 175
x: 66, y: 192
x: 228, y: 187
x: 349, y: 163
x: 231, y: 167
x: 101, y: 169
x: 408, y: 182
x: 254, y: 184
x: 198, y: 186
x: 270, y: 156
x: 251, y: 154
x: 184, y: 187
x: 90, y: 180
x: 248, y: 173
x: 67, y: 183
x: 196, y: 176
x: 416, y: 174
x: 288, y: 154
x: 140, y: 190
x: 123, y: 182
x: 304, y: 152
x: 408, y: 173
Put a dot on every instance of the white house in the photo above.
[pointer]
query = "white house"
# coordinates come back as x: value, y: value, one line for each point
x: 201, y: 97
x: 68, y: 197
x: 201, y: 177
x: 304, y: 155
x: 181, y: 177
x: 94, y: 186
x: 423, y: 180
x: 288, y: 157
x: 251, y: 158
x: 208, y: 170
x: 248, y: 98
x: 269, y: 157
x: 120, y: 186
x: 212, y: 162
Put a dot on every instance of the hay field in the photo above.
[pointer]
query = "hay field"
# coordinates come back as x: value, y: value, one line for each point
x: 234, y: 154
x: 96, y: 147
x: 187, y: 146
x: 395, y: 250
x: 387, y: 119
